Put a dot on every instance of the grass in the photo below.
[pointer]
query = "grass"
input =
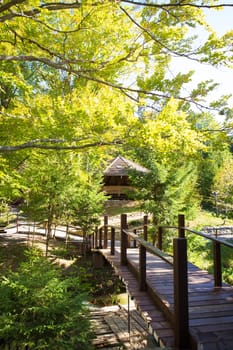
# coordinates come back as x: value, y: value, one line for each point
x: 206, y: 218
x: 203, y: 218
x: 114, y: 207
x: 200, y: 250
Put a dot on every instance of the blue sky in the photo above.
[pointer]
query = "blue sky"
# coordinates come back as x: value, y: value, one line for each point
x: 221, y: 21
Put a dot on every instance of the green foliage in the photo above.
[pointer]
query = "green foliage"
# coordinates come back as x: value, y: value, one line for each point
x: 200, y: 250
x: 223, y: 182
x: 200, y: 253
x: 62, y: 252
x: 103, y: 284
x: 166, y: 191
x: 61, y: 191
x: 80, y: 76
x: 87, y: 206
x: 211, y: 158
x: 168, y: 135
x: 227, y: 257
x: 41, y: 309
x: 10, y: 257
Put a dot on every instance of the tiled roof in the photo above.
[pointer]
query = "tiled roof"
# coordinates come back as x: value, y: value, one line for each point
x: 120, y: 166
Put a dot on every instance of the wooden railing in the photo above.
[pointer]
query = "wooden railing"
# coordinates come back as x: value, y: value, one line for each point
x: 217, y: 243
x: 41, y: 227
x: 178, y: 261
x: 72, y: 235
x: 118, y: 189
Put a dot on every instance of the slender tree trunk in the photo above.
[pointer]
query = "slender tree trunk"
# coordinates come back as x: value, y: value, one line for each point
x: 84, y: 243
x: 47, y: 240
x: 49, y: 234
x: 67, y: 234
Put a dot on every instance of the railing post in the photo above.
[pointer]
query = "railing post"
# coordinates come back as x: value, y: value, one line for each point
x: 105, y: 231
x: 181, y: 315
x: 17, y: 223
x: 134, y: 241
x: 160, y: 238
x: 142, y: 258
x: 181, y: 224
x: 100, y: 238
x: 112, y: 240
x: 145, y: 227
x: 217, y: 264
x: 96, y: 238
x: 93, y: 240
x: 124, y: 240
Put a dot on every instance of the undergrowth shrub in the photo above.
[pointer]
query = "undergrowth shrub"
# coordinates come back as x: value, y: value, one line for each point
x: 42, y: 309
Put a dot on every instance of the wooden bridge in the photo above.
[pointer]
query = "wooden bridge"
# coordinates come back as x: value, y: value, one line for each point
x: 184, y: 307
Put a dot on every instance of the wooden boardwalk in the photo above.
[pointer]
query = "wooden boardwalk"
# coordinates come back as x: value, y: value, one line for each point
x: 210, y: 308
x: 117, y: 327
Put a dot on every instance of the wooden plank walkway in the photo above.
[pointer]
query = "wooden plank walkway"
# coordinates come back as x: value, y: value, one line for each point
x: 210, y: 308
x: 115, y: 328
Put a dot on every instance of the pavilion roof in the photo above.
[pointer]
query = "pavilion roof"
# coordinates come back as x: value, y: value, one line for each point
x: 120, y: 166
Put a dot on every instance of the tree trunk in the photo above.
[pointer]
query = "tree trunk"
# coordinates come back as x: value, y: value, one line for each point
x: 48, y: 235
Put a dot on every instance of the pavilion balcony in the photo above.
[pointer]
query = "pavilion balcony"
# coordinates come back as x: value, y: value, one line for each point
x: 118, y: 190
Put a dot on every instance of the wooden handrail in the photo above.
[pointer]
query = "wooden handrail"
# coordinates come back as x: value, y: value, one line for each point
x: 150, y: 248
x: 200, y: 233
x: 216, y: 251
x: 214, y: 239
x: 178, y: 261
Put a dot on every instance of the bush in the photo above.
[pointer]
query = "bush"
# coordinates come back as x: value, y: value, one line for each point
x: 42, y: 309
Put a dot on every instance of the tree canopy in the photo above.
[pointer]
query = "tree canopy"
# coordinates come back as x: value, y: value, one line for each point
x: 95, y: 78
x: 56, y: 57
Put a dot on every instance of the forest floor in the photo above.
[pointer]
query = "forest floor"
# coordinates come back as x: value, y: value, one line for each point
x: 117, y: 326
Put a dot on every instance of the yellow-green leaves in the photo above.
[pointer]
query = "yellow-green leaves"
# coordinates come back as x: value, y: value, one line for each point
x: 218, y: 50
x: 169, y: 134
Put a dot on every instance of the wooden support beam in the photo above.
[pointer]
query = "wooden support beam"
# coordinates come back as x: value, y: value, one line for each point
x: 112, y: 240
x: 160, y: 238
x: 100, y: 238
x: 181, y: 315
x: 134, y: 241
x: 217, y: 264
x: 181, y: 225
x: 142, y: 258
x: 105, y: 231
x: 96, y: 238
x: 124, y: 239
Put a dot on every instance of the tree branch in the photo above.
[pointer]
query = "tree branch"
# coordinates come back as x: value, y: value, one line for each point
x: 57, y: 65
x: 54, y: 29
x: 151, y: 35
x: 65, y: 66
x: 57, y: 6
x: 178, y: 4
x: 10, y: 4
x: 49, y: 6
x: 156, y: 94
x: 41, y: 144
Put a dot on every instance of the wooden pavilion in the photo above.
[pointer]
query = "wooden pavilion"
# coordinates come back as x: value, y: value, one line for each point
x: 116, y: 177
